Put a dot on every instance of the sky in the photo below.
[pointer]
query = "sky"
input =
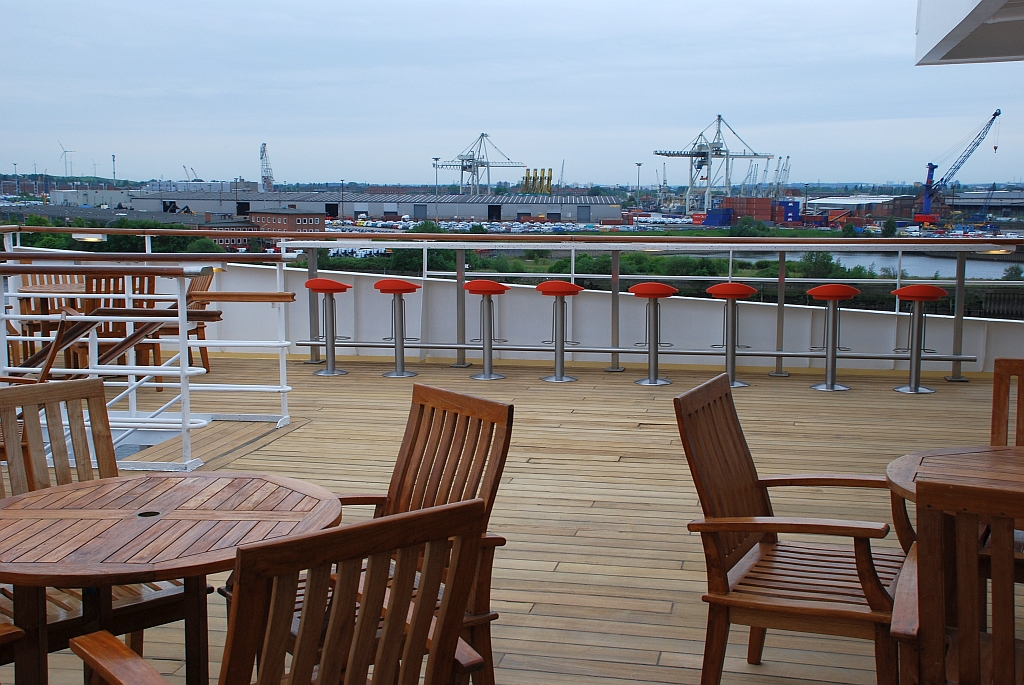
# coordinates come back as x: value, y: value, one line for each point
x: 371, y: 91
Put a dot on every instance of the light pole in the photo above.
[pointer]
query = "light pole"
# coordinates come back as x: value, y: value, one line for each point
x: 436, y: 160
x: 16, y: 189
x: 638, y: 165
x: 343, y: 201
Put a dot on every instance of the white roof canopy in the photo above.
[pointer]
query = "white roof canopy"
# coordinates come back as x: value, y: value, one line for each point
x: 966, y: 31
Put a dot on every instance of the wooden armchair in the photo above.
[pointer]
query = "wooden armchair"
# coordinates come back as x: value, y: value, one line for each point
x: 23, y: 409
x: 757, y: 580
x: 941, y: 587
x: 454, y: 449
x: 1003, y: 370
x: 354, y: 636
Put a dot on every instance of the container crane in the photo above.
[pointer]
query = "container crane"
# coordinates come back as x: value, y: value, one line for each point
x: 474, y: 160
x: 931, y: 188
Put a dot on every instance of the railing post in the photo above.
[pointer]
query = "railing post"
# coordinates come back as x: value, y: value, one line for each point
x: 780, y: 318
x: 615, y: 365
x: 956, y: 375
x: 282, y: 351
x: 314, y: 308
x: 186, y: 405
x: 460, y: 309
x: 149, y: 243
x: 572, y: 264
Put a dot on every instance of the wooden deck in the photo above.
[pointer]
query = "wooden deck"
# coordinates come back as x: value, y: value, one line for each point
x: 600, y: 581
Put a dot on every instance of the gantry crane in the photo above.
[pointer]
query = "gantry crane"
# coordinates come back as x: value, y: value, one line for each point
x: 475, y: 159
x: 266, y: 173
x: 932, y: 189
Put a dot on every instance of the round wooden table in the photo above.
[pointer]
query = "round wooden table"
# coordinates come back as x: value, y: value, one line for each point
x: 991, y: 466
x: 137, y: 529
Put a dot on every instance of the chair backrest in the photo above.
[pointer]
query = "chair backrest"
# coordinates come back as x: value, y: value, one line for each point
x: 454, y: 449
x: 199, y: 284
x: 20, y: 409
x: 720, y: 463
x: 142, y: 286
x: 113, y: 288
x: 1002, y: 370
x: 969, y: 505
x: 356, y: 637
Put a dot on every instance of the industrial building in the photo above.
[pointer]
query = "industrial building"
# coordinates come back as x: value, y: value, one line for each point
x: 999, y: 203
x: 575, y: 208
x: 863, y: 205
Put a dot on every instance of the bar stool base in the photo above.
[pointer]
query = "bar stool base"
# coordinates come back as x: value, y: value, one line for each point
x: 325, y: 372
x: 615, y: 369
x: 779, y: 374
x: 907, y: 390
x: 648, y: 381
x: 399, y: 374
x: 318, y: 361
x: 739, y: 384
x: 487, y: 377
x: 957, y: 379
x: 460, y: 366
x: 559, y: 379
x: 824, y: 387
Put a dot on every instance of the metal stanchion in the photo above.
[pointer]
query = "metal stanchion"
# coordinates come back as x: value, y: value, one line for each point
x: 330, y: 333
x: 916, y: 344
x: 780, y: 319
x: 615, y: 366
x: 488, y: 343
x: 314, y: 309
x: 956, y: 375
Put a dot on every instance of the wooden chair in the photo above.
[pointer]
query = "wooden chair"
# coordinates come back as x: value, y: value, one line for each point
x: 108, y: 293
x: 354, y: 637
x: 454, y: 449
x: 196, y: 287
x: 133, y: 608
x: 941, y: 586
x: 1002, y: 371
x: 755, y: 579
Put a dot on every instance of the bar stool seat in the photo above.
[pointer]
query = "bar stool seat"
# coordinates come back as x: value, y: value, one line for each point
x: 653, y: 292
x: 559, y: 290
x: 326, y: 285
x: 486, y: 289
x: 396, y: 287
x: 918, y: 294
x: 833, y: 294
x: 329, y: 287
x: 730, y: 292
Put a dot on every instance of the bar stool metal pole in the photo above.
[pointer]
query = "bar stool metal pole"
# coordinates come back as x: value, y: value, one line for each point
x: 397, y: 288
x: 918, y: 294
x: 330, y: 331
x: 486, y: 289
x: 559, y: 290
x: 730, y: 292
x: 653, y: 292
x: 832, y: 294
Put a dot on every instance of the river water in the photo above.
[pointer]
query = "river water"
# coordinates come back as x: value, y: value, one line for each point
x: 914, y: 264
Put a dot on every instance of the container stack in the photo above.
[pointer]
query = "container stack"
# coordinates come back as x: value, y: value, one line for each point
x: 757, y: 208
x: 786, y: 211
x: 722, y: 216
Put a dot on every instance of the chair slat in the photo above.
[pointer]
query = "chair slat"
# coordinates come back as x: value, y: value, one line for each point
x: 469, y: 446
x: 389, y: 648
x: 427, y: 475
x: 340, y: 626
x: 1003, y: 627
x: 483, y: 449
x: 58, y: 445
x: 434, y: 557
x: 967, y: 604
x: 275, y: 640
x: 1002, y: 371
x: 371, y: 604
x: 35, y: 466
x: 102, y: 440
x: 79, y: 440
x: 311, y: 621
x: 12, y: 443
x: 446, y: 491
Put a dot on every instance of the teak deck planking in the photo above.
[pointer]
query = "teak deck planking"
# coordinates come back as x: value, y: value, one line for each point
x: 600, y: 581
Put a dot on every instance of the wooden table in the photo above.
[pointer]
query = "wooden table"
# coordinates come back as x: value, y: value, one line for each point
x: 988, y: 466
x: 143, y: 528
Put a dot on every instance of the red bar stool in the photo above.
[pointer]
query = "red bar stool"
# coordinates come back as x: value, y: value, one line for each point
x: 833, y: 294
x: 653, y: 292
x: 486, y: 289
x: 730, y: 292
x: 328, y: 288
x: 397, y: 288
x: 559, y: 290
x: 918, y: 294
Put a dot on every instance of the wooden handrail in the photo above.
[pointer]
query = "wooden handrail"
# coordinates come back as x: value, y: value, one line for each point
x: 238, y: 257
x: 104, y: 270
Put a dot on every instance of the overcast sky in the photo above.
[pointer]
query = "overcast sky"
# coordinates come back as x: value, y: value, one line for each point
x: 371, y: 91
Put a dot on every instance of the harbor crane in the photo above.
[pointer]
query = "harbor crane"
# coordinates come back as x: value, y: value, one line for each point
x: 703, y: 151
x: 475, y: 162
x: 266, y: 173
x: 932, y: 189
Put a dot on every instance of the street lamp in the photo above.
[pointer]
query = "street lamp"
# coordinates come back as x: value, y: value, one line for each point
x: 343, y: 201
x: 16, y: 189
x: 436, y: 160
x: 638, y: 165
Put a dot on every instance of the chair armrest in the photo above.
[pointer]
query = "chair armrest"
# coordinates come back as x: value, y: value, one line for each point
x: 781, y: 524
x: 113, y: 661
x: 356, y: 500
x: 492, y: 540
x: 833, y: 480
x: 18, y: 380
x: 906, y: 622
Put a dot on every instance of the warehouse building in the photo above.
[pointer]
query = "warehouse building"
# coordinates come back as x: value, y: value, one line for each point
x: 865, y: 205
x: 579, y: 209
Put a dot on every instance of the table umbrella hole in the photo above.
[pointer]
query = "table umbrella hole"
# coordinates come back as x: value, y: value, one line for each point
x: 147, y: 514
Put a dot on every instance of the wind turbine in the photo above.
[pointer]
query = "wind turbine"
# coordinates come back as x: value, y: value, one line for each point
x: 64, y: 155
